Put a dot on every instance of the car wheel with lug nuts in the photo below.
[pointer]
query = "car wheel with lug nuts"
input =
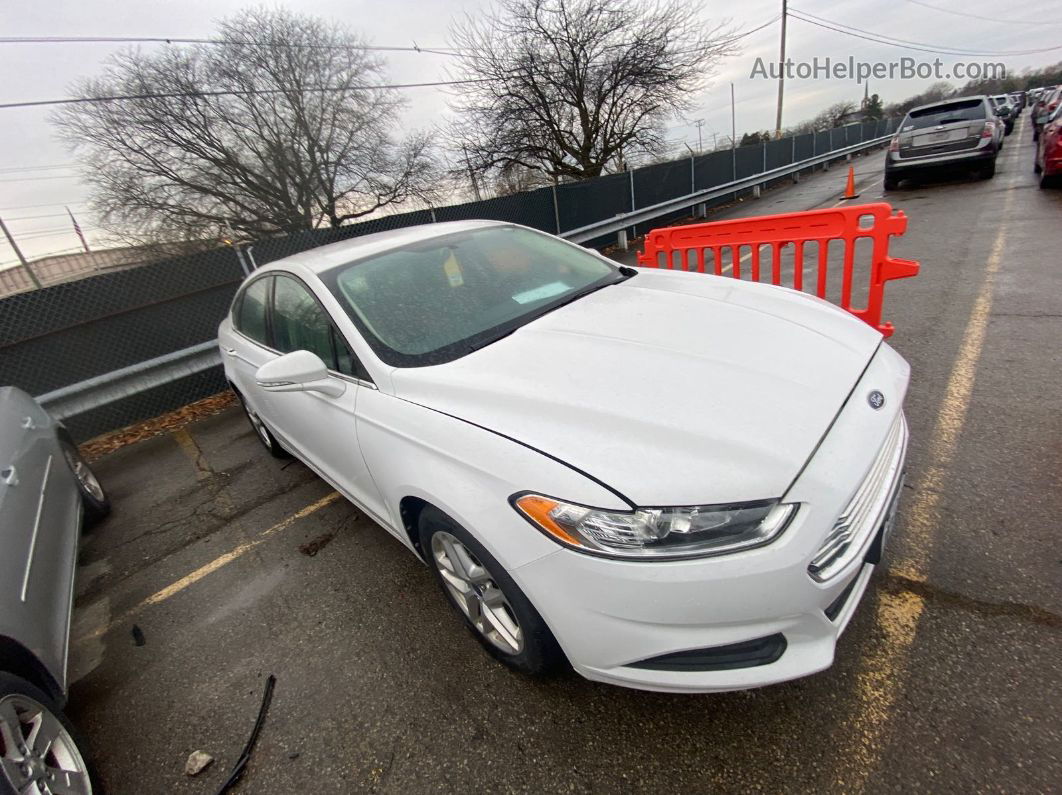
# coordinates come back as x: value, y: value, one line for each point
x: 491, y: 604
x: 38, y: 750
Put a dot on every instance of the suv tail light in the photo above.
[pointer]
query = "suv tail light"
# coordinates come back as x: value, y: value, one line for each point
x: 990, y: 129
x: 894, y: 145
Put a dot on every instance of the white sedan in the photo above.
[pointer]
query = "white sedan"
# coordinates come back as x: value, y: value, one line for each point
x: 673, y: 481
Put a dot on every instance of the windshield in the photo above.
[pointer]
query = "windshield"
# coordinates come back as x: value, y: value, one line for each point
x: 970, y: 110
x: 435, y: 301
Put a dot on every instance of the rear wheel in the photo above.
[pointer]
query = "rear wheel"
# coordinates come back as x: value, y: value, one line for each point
x: 1048, y: 181
x: 94, y: 500
x: 1036, y: 167
x: 39, y: 751
x: 265, y: 436
x: 988, y: 171
x: 891, y: 183
x: 491, y: 604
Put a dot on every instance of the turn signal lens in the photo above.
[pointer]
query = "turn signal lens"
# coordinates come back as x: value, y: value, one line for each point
x: 894, y: 145
x: 658, y: 533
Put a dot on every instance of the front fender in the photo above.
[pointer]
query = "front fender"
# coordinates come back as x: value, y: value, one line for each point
x: 468, y: 472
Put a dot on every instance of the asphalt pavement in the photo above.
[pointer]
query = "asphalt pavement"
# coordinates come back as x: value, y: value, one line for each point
x: 947, y: 679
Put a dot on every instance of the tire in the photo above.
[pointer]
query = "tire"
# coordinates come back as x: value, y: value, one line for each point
x: 891, y: 183
x: 262, y: 432
x: 94, y: 500
x: 1048, y: 181
x: 988, y: 171
x: 19, y: 701
x: 1036, y: 168
x: 537, y: 651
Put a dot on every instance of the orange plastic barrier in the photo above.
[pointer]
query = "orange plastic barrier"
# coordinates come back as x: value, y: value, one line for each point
x: 675, y: 246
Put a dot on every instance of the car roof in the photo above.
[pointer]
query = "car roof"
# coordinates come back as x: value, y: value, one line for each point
x: 948, y: 101
x: 323, y: 258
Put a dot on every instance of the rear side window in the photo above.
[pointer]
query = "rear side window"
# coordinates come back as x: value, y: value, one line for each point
x: 251, y: 311
x: 969, y: 110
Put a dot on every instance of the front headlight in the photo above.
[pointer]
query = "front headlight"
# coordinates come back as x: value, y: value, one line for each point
x: 658, y: 533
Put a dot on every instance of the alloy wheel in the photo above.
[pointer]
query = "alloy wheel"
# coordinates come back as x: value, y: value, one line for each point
x: 37, y: 754
x: 476, y: 593
x: 84, y: 474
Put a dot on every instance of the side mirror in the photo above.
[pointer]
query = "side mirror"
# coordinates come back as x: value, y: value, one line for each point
x: 298, y: 371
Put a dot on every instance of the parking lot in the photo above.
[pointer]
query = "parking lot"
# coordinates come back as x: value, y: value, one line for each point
x: 233, y: 566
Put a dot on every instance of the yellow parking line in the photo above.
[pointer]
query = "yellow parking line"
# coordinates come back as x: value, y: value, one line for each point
x: 883, y: 668
x: 209, y: 568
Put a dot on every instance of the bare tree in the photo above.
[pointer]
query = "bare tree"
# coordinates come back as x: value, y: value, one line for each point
x: 274, y: 130
x: 571, y: 87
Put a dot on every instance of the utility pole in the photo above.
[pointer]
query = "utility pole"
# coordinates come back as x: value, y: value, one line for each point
x: 472, y: 175
x: 700, y: 141
x: 781, y: 73
x: 733, y: 119
x: 22, y: 259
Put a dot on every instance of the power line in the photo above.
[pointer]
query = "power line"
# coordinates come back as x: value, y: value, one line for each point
x: 903, y: 43
x: 240, y: 93
x: 248, y: 42
x: 977, y: 16
x: 35, y: 206
x: 37, y: 168
x: 35, y: 217
x: 39, y: 178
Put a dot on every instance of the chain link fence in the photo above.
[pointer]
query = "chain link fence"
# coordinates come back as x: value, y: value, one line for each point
x: 107, y: 318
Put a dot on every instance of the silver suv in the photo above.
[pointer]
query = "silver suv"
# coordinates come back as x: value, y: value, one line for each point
x: 952, y: 134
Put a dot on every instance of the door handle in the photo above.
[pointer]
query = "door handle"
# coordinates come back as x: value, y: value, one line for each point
x: 9, y: 475
x: 230, y: 351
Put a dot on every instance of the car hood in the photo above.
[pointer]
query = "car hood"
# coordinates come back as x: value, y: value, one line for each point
x: 672, y: 388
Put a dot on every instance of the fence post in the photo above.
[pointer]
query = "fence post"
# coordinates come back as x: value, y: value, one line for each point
x: 432, y: 214
x: 556, y: 210
x: 764, y: 157
x: 634, y: 229
x: 693, y: 176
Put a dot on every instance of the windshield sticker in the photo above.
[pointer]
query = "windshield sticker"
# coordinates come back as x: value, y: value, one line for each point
x: 539, y: 293
x: 453, y: 271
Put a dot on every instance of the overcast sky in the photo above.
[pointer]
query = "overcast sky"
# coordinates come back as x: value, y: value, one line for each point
x: 45, y: 71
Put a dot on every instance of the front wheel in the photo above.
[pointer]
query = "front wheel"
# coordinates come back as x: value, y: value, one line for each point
x: 94, y: 500
x: 38, y: 749
x: 491, y: 604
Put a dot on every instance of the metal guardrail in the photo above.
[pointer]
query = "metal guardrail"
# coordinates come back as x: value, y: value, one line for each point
x: 69, y: 401
x: 626, y: 220
x: 92, y: 393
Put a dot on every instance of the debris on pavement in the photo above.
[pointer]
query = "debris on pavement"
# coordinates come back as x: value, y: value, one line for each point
x: 138, y: 636
x: 96, y: 448
x: 245, y: 757
x: 198, y: 761
x: 315, y: 545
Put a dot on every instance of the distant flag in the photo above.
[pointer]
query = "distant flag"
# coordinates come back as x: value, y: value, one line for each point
x: 77, y: 230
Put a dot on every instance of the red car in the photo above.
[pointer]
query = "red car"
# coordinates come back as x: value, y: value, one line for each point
x: 1049, y: 100
x: 1049, y: 149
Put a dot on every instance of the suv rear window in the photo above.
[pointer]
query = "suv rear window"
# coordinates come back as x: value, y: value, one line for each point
x: 969, y: 110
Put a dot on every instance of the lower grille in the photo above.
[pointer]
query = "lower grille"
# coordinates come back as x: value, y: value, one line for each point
x: 866, y: 509
x: 747, y: 654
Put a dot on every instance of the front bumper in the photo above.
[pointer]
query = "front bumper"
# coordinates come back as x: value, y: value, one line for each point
x: 612, y: 617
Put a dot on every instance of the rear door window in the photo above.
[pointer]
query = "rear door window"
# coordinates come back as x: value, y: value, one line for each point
x: 250, y: 317
x: 970, y: 110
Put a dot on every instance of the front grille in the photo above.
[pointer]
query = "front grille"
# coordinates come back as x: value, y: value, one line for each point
x: 910, y: 153
x: 866, y: 510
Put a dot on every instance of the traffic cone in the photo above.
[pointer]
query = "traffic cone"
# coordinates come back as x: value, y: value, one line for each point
x: 849, y: 188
